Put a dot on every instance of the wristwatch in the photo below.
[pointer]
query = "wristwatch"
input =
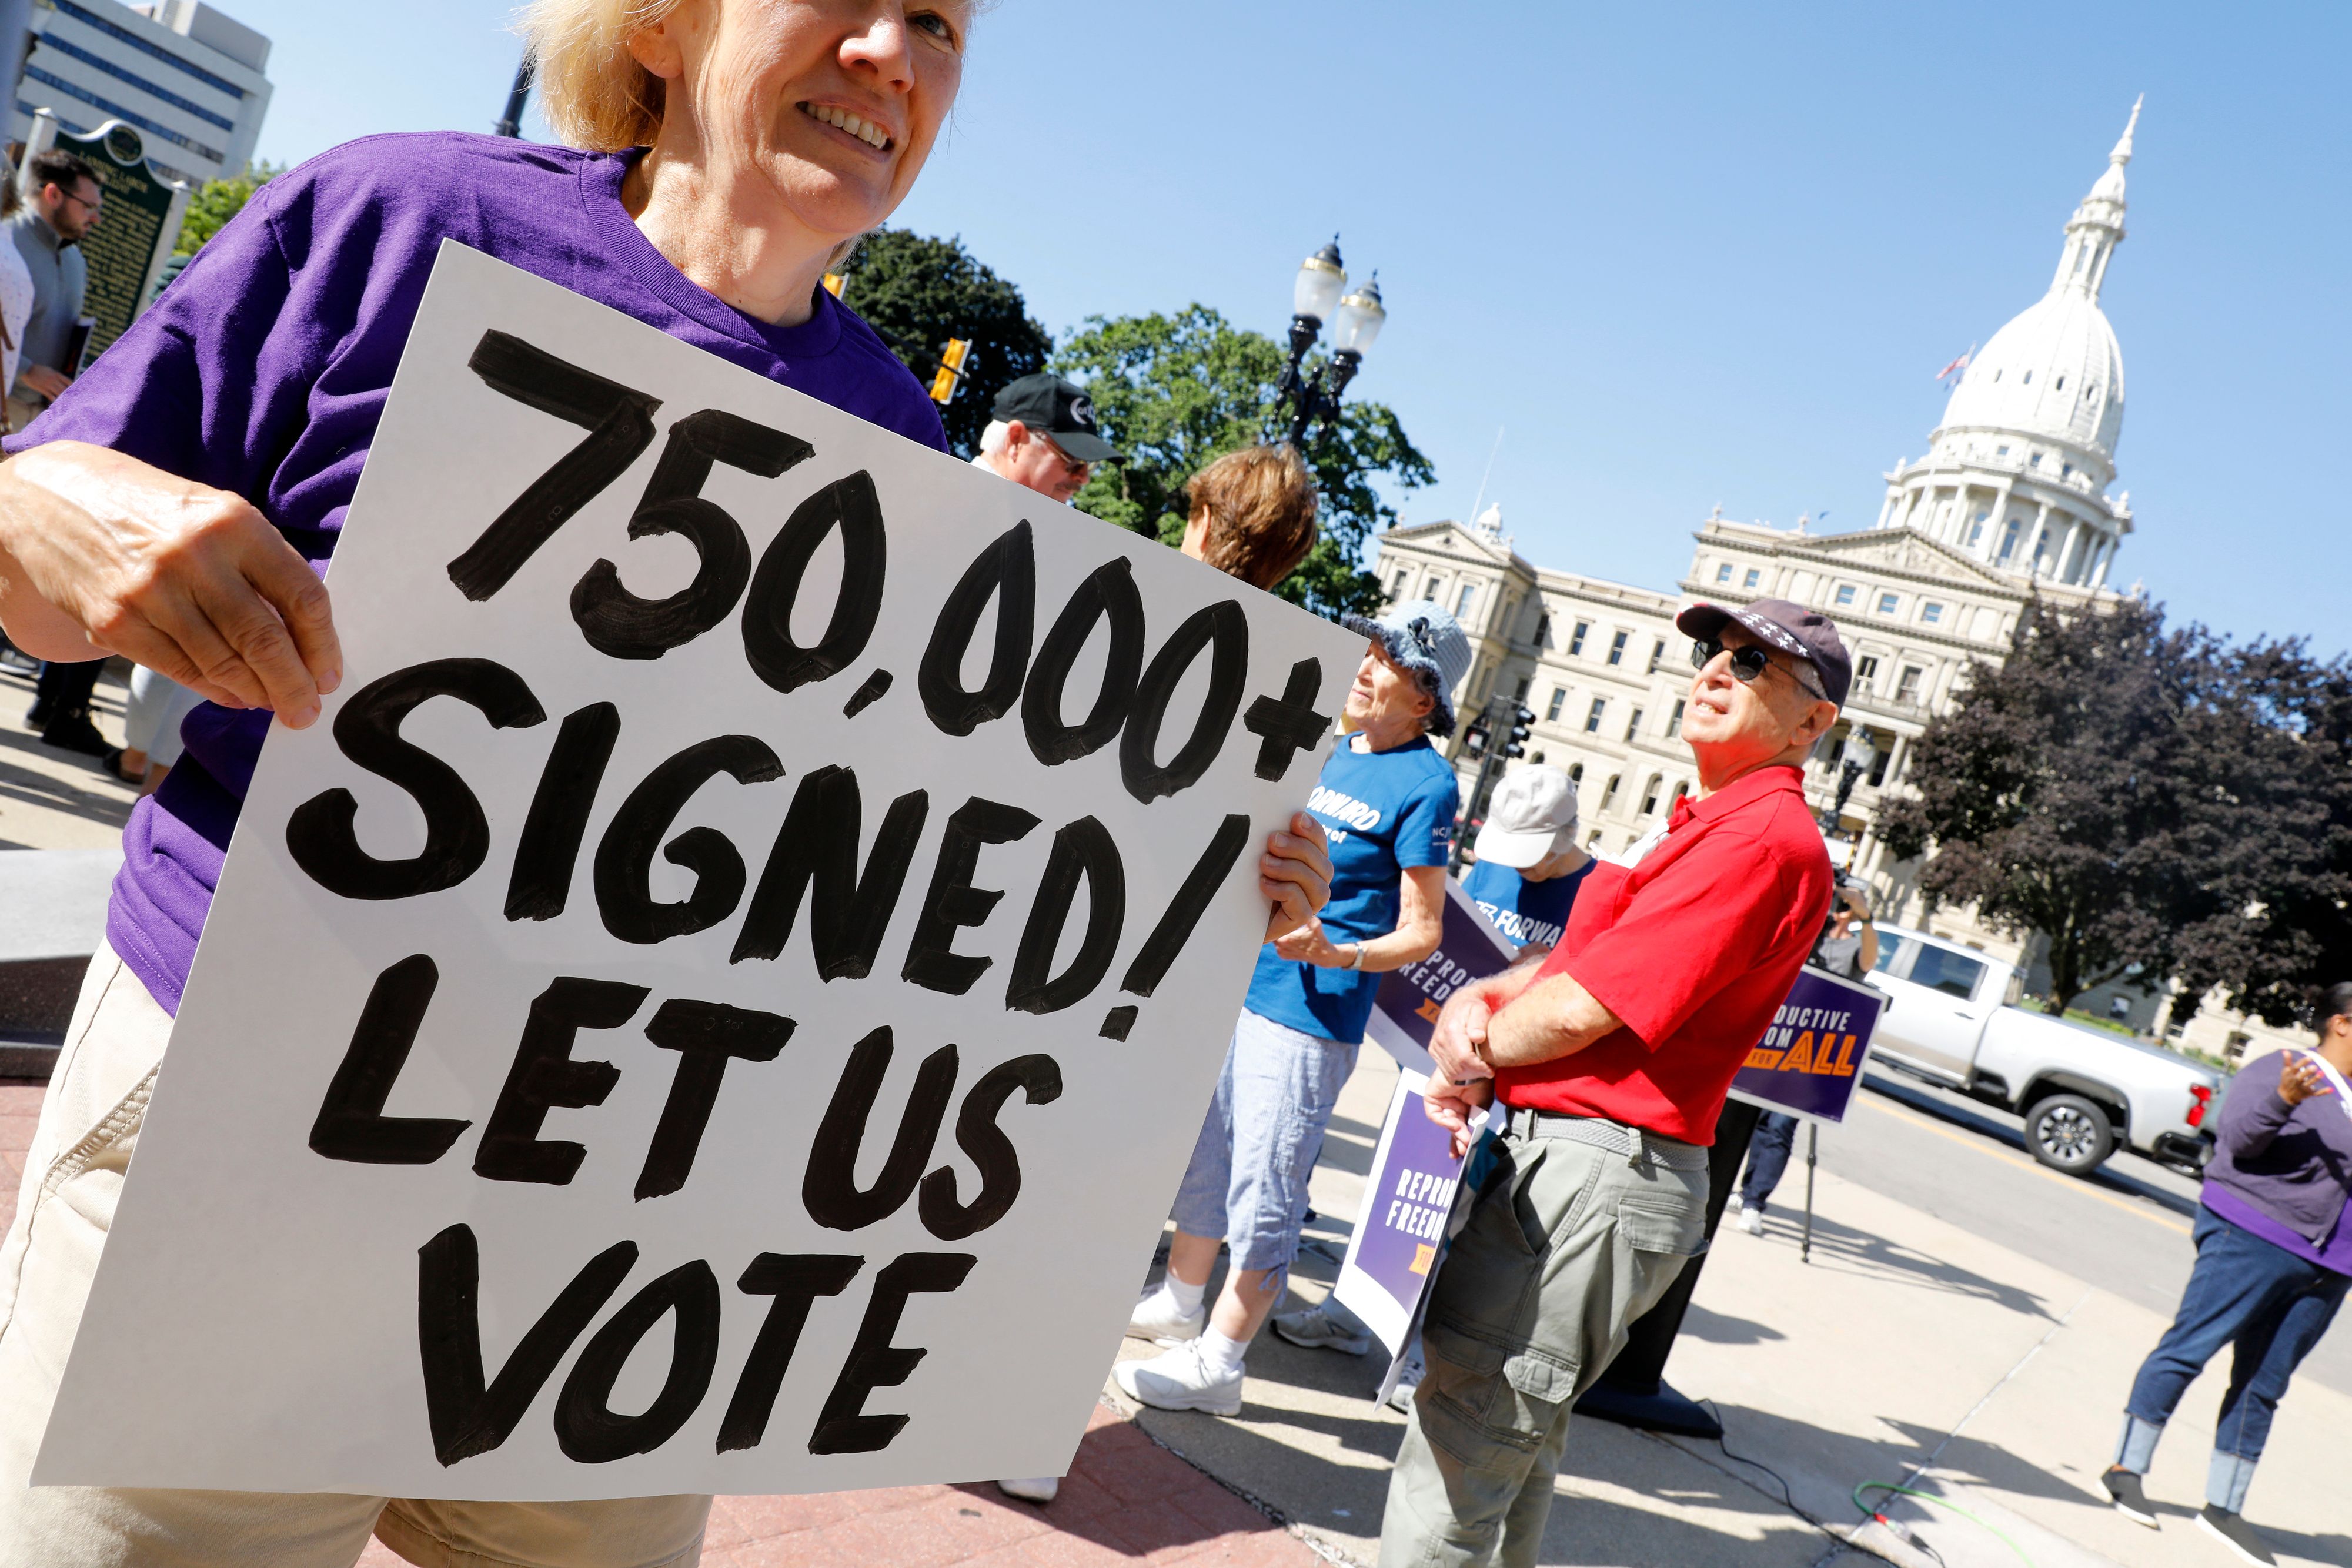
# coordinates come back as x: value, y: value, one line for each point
x: 1356, y: 959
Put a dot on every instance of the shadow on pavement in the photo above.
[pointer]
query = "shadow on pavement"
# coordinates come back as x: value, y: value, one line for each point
x: 1842, y: 1248
x: 1721, y: 1328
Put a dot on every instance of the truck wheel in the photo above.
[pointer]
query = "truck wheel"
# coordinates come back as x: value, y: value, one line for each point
x: 2070, y: 1134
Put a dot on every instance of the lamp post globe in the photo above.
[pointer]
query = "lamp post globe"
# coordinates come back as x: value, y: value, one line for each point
x: 1320, y: 294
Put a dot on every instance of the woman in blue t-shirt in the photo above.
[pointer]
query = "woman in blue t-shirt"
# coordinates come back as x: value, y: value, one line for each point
x: 1387, y: 800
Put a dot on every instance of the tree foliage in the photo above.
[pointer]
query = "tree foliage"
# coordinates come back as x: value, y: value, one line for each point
x: 2052, y: 793
x: 1175, y: 392
x: 217, y: 201
x: 2276, y: 842
x: 918, y: 291
x: 2147, y: 800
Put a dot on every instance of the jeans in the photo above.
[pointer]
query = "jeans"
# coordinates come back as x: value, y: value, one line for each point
x: 1768, y: 1157
x: 1247, y: 1178
x: 1567, y: 1245
x: 2272, y: 1307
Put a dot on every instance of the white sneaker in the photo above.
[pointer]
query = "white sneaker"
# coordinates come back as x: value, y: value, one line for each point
x: 1732, y: 1204
x: 1176, y: 1379
x: 1041, y: 1491
x: 1408, y: 1383
x: 1316, y: 1329
x: 1751, y: 1220
x: 1155, y: 1318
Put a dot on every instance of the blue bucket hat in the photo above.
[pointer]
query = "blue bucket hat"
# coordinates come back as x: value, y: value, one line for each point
x: 1423, y: 638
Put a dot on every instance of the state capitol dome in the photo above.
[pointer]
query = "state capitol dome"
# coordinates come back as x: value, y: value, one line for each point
x: 2056, y: 371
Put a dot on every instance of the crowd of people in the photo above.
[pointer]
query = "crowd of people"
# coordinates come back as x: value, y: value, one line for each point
x: 176, y: 501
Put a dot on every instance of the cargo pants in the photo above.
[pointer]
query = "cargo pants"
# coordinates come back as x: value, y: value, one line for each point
x: 1567, y: 1243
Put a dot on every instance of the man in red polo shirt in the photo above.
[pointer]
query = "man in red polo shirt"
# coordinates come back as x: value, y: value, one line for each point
x: 1612, y: 1061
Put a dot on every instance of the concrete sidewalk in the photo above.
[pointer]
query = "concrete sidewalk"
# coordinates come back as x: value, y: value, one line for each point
x: 1908, y: 1351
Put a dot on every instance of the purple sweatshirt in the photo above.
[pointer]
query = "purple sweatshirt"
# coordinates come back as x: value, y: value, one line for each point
x: 2283, y: 1172
x: 265, y: 366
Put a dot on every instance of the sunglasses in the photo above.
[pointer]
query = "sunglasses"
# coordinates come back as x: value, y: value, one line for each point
x: 1076, y: 468
x: 1747, y: 663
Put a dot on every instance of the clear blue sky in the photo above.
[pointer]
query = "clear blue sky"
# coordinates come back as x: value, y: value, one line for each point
x: 1687, y: 254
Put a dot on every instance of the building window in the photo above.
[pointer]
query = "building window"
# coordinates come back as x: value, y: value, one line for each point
x: 1865, y: 672
x: 1593, y: 840
x: 2034, y: 461
x: 1462, y: 605
x: 1617, y: 647
x: 2061, y: 386
x: 1931, y: 613
x: 1755, y: 575
x: 1576, y: 772
x: 1575, y: 637
x: 1633, y: 724
x: 1723, y: 572
x: 1883, y: 755
x: 1675, y: 720
x: 1520, y: 696
x: 1976, y: 529
x: 1845, y: 596
x: 1593, y: 719
x: 1537, y: 757
x: 1608, y: 796
x: 1681, y: 789
x: 1551, y: 708
x: 2029, y: 378
x: 1887, y: 603
x: 2009, y: 536
x: 1649, y: 795
x: 1543, y: 629
x: 2065, y: 470
x: 1657, y: 655
x: 2000, y: 452
x: 1907, y: 689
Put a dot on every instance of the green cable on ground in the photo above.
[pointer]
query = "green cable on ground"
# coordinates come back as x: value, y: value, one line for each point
x: 1940, y: 1502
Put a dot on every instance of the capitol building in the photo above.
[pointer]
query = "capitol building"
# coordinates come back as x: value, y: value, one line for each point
x: 2011, y: 500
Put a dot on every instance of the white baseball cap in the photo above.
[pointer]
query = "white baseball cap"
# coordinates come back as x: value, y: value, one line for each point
x: 1531, y: 817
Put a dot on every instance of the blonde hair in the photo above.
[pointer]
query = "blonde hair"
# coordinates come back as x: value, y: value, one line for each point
x: 1261, y: 506
x: 593, y: 91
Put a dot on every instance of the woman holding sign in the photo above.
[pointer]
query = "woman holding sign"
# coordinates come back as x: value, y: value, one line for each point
x: 1387, y: 801
x: 177, y: 505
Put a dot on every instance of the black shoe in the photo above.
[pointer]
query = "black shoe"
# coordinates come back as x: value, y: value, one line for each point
x: 74, y: 732
x: 2232, y: 1532
x: 36, y: 717
x: 2123, y: 1489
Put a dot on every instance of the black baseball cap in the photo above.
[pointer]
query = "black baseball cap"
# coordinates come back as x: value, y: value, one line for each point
x: 1790, y: 627
x: 1060, y: 409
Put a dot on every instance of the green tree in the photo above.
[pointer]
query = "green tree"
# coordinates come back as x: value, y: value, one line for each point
x: 918, y: 292
x: 2273, y: 832
x: 1174, y: 392
x: 217, y: 201
x: 2056, y: 794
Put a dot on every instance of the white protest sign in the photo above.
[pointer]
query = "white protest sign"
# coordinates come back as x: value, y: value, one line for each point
x: 723, y: 1000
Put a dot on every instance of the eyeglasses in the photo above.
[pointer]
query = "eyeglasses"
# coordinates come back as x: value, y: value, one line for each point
x: 86, y: 203
x: 1747, y: 663
x: 1078, y: 468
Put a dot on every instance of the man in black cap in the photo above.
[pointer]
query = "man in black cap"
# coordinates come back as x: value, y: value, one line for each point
x: 1044, y: 436
x: 1608, y: 1065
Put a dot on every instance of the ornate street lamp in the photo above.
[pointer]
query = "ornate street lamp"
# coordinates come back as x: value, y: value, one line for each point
x: 1320, y: 294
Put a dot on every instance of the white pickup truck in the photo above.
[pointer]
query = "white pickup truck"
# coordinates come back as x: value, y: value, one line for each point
x: 2083, y: 1092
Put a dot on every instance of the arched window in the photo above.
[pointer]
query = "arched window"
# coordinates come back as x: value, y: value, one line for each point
x: 1576, y: 773
x: 1649, y: 795
x: 1608, y: 796
x: 1681, y: 789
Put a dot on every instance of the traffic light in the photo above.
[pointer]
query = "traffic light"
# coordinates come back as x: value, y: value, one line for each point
x: 951, y: 372
x: 1473, y: 739
x: 1517, y: 744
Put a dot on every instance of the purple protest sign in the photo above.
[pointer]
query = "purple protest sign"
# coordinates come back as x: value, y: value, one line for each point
x: 1811, y: 1054
x: 1393, y: 1254
x: 1405, y: 1009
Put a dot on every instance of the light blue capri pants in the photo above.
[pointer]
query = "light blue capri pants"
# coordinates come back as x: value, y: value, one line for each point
x: 1247, y: 1181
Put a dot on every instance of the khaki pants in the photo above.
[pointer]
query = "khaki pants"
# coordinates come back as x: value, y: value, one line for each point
x: 1567, y: 1245
x: 73, y: 1175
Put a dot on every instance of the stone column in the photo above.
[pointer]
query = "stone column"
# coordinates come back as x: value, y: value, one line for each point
x: 2106, y: 560
x: 2066, y: 573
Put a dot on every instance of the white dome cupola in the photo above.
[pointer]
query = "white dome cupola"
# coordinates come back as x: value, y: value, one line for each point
x: 2017, y: 471
x: 2056, y: 371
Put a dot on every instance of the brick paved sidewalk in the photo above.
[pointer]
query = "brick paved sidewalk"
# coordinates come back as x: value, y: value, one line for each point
x: 1126, y: 1498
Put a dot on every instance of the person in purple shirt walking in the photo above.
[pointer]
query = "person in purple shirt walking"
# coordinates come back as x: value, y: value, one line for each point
x: 2274, y: 1261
